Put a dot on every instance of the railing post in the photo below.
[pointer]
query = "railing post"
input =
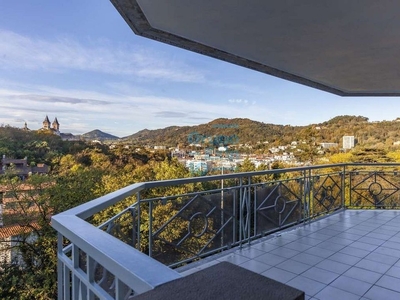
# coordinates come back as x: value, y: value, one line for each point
x: 306, y: 196
x: 248, y: 206
x: 75, y: 280
x: 90, y: 269
x: 150, y: 229
x: 60, y: 268
x: 344, y: 188
x: 241, y: 227
x: 138, y: 219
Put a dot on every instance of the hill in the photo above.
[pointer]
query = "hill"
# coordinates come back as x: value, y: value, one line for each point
x: 98, y: 135
x: 227, y: 131
x: 246, y: 131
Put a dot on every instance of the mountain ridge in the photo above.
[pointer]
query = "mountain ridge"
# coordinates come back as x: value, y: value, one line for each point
x: 97, y: 134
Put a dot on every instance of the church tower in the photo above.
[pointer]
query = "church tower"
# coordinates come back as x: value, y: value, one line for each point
x: 46, y: 123
x: 56, y: 125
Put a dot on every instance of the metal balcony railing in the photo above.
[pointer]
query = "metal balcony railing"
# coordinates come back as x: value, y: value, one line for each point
x: 129, y: 241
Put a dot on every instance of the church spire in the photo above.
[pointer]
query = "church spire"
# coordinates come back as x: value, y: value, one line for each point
x: 46, y: 123
x: 56, y: 125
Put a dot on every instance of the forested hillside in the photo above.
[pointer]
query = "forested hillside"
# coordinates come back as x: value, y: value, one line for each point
x: 367, y: 133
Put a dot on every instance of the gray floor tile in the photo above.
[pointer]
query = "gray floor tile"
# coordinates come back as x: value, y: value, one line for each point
x: 387, y: 251
x: 394, y: 272
x: 345, y: 258
x: 395, y: 239
x: 255, y: 266
x: 330, y: 246
x: 371, y: 240
x: 320, y: 252
x: 249, y: 252
x: 391, y: 245
x: 319, y: 236
x: 364, y: 246
x: 373, y: 266
x: 379, y: 236
x: 330, y: 232
x: 384, y: 231
x: 333, y: 266
x: 293, y: 266
x: 278, y: 242
x: 363, y: 275
x: 279, y: 274
x: 332, y: 293
x: 341, y: 241
x: 309, y: 286
x: 352, y: 285
x: 349, y: 236
x: 389, y: 282
x: 377, y: 293
x: 308, y: 259
x: 386, y: 259
x: 320, y: 275
x: 358, y: 231
x: 309, y: 241
x: 285, y: 252
x: 298, y: 246
x: 355, y: 252
x: 264, y: 246
x: 270, y: 259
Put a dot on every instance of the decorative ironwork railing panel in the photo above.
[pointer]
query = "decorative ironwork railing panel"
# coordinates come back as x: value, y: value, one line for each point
x: 277, y: 205
x: 142, y: 228
x: 327, y: 193
x: 375, y: 189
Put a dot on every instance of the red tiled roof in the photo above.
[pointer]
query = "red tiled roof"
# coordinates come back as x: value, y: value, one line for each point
x: 12, y: 230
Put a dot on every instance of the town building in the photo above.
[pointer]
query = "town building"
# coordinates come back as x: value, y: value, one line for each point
x: 348, y: 142
x: 20, y: 167
x: 328, y: 145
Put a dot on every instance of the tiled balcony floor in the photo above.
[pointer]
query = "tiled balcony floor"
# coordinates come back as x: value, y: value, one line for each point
x: 353, y: 254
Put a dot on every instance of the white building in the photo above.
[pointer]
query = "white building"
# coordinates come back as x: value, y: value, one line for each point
x: 348, y: 142
x: 328, y: 145
x: 197, y: 166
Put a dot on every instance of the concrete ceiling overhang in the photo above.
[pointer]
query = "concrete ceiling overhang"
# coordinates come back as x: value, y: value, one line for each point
x: 349, y: 48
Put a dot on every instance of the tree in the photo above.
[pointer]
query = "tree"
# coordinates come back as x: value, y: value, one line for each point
x: 34, y: 275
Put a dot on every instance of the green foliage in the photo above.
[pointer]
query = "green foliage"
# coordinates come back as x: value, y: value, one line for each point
x: 37, y: 199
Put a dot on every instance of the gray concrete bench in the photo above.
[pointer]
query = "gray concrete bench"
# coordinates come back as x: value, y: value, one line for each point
x: 223, y: 281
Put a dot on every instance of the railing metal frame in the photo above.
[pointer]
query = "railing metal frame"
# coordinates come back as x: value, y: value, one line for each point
x: 133, y: 272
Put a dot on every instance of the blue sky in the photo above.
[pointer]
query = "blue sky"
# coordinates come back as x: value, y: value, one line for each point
x: 80, y: 62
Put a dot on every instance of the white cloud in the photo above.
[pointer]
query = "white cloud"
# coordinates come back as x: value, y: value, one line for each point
x: 240, y: 101
x: 121, y: 113
x: 65, y: 54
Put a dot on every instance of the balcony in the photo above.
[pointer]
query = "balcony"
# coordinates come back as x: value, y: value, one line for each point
x: 331, y: 231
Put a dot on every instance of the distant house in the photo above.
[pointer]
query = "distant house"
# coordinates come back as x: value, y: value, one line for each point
x: 10, y: 237
x: 328, y: 145
x: 20, y: 167
x: 13, y: 227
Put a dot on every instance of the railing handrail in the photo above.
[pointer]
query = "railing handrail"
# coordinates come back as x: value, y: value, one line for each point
x: 119, y: 259
x: 90, y: 208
